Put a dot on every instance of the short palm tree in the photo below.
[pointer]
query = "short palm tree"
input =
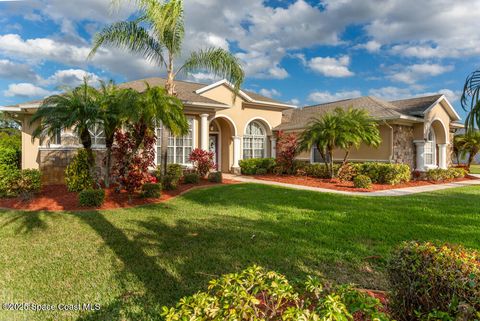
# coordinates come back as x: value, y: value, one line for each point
x: 471, y: 100
x: 158, y: 35
x: 75, y: 109
x: 469, y: 144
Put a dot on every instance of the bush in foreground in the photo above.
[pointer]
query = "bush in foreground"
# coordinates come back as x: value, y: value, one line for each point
x: 202, y: 161
x: 91, y: 197
x: 440, y: 175
x: 15, y: 182
x: 215, y: 177
x: 151, y: 190
x: 362, y: 181
x: 77, y: 173
x: 191, y: 178
x: 431, y: 282
x: 385, y: 173
x: 250, y: 166
x: 257, y: 294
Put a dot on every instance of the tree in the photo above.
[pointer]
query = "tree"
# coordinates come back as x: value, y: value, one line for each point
x: 469, y: 143
x: 470, y: 100
x: 76, y: 109
x: 158, y: 35
x: 287, y: 150
x: 343, y: 129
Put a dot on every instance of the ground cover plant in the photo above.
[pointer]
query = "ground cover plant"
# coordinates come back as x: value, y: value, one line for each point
x: 134, y: 261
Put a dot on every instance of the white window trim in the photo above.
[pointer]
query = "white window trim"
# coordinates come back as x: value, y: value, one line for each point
x: 194, y: 141
x: 433, y: 143
x: 265, y: 144
x: 219, y: 144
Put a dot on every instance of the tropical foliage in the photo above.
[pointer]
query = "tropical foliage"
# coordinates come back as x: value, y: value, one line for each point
x: 252, y: 165
x: 202, y: 161
x: 470, y: 100
x: 340, y: 129
x: 78, y: 176
x: 158, y: 36
x: 467, y: 144
x: 287, y: 150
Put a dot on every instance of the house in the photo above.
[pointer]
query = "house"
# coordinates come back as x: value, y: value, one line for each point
x: 233, y: 130
x: 416, y: 131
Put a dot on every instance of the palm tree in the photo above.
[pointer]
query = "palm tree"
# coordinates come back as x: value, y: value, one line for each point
x: 469, y: 144
x: 158, y: 35
x: 471, y: 100
x: 76, y: 109
x: 342, y: 129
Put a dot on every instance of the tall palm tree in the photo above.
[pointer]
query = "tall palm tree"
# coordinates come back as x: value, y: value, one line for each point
x: 76, y: 109
x: 158, y: 35
x: 471, y: 100
x: 469, y: 143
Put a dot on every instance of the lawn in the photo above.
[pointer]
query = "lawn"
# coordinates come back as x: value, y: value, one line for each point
x: 133, y: 261
x: 475, y: 169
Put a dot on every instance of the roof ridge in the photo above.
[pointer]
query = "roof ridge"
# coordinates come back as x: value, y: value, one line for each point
x: 418, y: 97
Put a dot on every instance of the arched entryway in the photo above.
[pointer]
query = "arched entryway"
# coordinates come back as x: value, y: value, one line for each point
x: 432, y: 150
x: 222, y: 133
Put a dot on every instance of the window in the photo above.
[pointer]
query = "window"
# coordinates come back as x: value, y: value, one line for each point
x: 430, y: 149
x: 316, y: 157
x: 56, y: 138
x: 98, y: 136
x: 179, y: 148
x: 254, y: 141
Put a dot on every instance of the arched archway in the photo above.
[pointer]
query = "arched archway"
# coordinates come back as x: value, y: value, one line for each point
x: 223, y: 137
x: 432, y: 150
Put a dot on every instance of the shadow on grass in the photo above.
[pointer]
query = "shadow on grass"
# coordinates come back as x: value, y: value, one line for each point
x: 28, y: 222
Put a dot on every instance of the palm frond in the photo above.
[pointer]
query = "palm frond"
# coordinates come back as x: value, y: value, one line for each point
x: 470, y: 100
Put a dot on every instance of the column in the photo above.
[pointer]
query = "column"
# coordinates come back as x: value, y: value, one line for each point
x: 236, y: 154
x: 442, y: 155
x: 420, y: 147
x: 273, y: 147
x: 204, y: 131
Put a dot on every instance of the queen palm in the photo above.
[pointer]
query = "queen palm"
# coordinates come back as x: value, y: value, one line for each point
x: 470, y: 100
x: 158, y: 35
x: 469, y: 143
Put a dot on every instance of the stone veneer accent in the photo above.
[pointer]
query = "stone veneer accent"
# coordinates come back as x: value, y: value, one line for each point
x: 403, y: 146
x: 54, y: 161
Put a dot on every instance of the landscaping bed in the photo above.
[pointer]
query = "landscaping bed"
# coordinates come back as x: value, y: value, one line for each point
x: 58, y: 198
x: 338, y: 185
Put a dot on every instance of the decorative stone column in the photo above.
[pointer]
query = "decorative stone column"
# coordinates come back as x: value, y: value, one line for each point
x: 420, y: 146
x: 273, y: 147
x: 237, y: 140
x: 204, y: 131
x: 442, y: 155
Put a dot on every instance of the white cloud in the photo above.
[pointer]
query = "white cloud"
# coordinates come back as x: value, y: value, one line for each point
x: 319, y: 97
x: 26, y: 90
x: 294, y: 101
x: 331, y: 67
x: 413, y: 73
x: 395, y: 93
x: 12, y: 70
x: 71, y: 78
x: 370, y: 46
x: 269, y: 92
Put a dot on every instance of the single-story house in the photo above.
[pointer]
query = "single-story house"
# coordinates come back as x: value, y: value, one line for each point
x: 414, y: 131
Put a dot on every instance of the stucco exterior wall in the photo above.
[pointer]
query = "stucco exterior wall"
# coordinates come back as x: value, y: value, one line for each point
x: 30, y: 155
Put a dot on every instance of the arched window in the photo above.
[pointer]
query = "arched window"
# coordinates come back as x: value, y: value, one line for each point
x: 254, y: 140
x: 430, y: 148
x: 98, y: 136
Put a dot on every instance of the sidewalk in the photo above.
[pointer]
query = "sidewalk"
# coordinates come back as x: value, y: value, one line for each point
x: 390, y: 192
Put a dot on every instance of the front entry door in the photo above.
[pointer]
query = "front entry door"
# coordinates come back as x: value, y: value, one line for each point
x: 213, y: 147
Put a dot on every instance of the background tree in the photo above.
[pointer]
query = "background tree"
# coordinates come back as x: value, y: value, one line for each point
x: 158, y: 35
x: 469, y: 143
x: 287, y: 150
x: 470, y: 100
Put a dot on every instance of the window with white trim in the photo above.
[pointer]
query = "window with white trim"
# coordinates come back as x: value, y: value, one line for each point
x: 254, y: 141
x: 179, y: 148
x: 56, y: 139
x: 98, y: 136
x: 430, y: 148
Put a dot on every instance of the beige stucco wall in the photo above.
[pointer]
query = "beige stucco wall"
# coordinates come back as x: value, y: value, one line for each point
x: 30, y: 155
x: 438, y: 113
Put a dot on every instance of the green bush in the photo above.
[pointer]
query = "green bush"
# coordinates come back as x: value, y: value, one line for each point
x: 175, y: 170
x: 260, y: 171
x: 250, y: 166
x: 457, y: 172
x: 257, y: 294
x: 362, y: 181
x: 151, y: 190
x: 191, y: 178
x: 439, y: 174
x: 347, y: 172
x: 77, y: 173
x: 429, y: 280
x: 8, y: 157
x: 385, y: 173
x: 30, y: 181
x: 91, y: 197
x: 170, y: 182
x: 14, y: 182
x: 319, y: 170
x: 215, y: 177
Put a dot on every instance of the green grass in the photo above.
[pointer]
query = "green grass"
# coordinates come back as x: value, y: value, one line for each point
x: 475, y: 169
x: 133, y: 261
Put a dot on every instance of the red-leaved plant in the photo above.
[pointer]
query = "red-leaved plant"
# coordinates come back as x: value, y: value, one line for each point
x: 287, y: 150
x: 131, y: 164
x: 202, y: 161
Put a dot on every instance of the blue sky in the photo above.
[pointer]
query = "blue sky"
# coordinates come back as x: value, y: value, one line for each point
x: 303, y: 52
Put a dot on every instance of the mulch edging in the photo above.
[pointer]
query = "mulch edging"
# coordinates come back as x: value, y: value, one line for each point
x: 58, y: 198
x: 346, y: 186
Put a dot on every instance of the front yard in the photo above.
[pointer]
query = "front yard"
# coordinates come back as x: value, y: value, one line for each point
x: 133, y: 261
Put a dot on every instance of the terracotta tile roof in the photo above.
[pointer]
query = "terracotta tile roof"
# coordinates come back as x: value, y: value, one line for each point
x: 415, y: 106
x: 377, y: 108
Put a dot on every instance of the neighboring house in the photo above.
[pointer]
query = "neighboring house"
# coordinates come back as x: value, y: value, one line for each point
x: 416, y: 131
x: 233, y: 130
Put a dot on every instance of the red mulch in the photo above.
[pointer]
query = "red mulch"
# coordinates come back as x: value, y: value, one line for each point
x: 58, y: 198
x: 345, y: 186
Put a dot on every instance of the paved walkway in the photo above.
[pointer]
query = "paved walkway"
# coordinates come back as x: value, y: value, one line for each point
x: 390, y: 192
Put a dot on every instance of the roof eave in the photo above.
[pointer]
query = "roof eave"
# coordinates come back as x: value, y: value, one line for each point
x: 452, y: 110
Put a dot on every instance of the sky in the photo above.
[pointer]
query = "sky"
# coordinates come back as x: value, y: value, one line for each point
x: 302, y: 52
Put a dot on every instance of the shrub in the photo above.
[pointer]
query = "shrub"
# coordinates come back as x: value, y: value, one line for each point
x: 170, y: 182
x: 347, y: 172
x: 457, y: 172
x: 319, y: 170
x: 287, y: 150
x: 261, y: 171
x: 191, y: 178
x: 151, y: 190
x: 175, y: 170
x: 77, y: 173
x: 250, y: 166
x: 30, y: 181
x: 299, y: 167
x: 428, y: 280
x: 385, y: 173
x: 439, y: 174
x: 91, y: 197
x: 362, y: 181
x: 9, y: 176
x: 202, y: 161
x: 14, y: 182
x: 8, y: 157
x: 257, y: 294
x: 11, y: 138
x: 215, y: 177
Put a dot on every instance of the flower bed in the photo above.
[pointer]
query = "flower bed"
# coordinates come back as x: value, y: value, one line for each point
x: 58, y: 198
x: 345, y: 185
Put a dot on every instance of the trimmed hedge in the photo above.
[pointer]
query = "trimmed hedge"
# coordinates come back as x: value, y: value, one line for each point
x: 385, y: 173
x: 170, y: 182
x: 91, y: 197
x: 434, y: 282
x: 319, y: 170
x: 438, y: 174
x: 251, y: 165
x: 151, y: 190
x: 15, y: 182
x: 191, y: 178
x: 8, y: 157
x: 77, y: 173
x: 215, y: 177
x: 362, y: 181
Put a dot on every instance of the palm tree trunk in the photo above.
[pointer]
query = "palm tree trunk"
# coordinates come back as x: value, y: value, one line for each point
x: 108, y: 160
x: 330, y: 155
x: 170, y: 88
x: 471, y: 157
